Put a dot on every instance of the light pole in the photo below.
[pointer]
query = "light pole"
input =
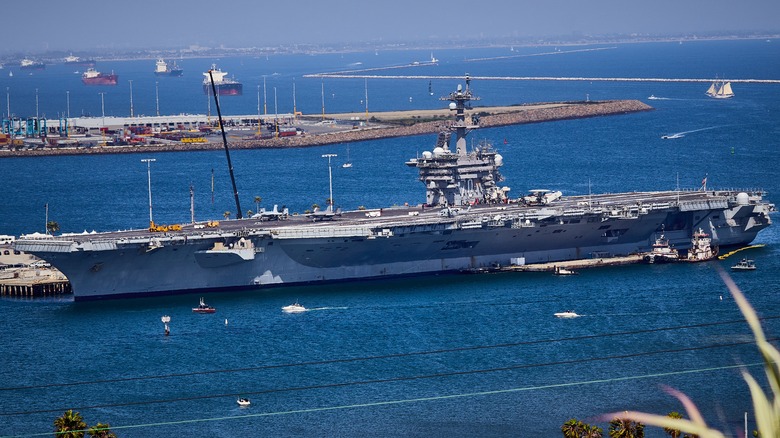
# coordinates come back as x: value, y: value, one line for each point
x: 157, y: 96
x: 67, y: 98
x: 149, y: 162
x: 330, y: 180
x: 131, y: 97
x: 276, y: 114
x: 103, y: 107
x: 37, y: 118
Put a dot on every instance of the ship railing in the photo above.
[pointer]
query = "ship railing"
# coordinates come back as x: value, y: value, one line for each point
x: 704, y: 204
x: 299, y: 233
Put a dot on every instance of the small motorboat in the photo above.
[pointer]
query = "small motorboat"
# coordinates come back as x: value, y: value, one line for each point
x: 567, y: 314
x: 203, y: 308
x: 563, y: 271
x: 744, y: 265
x: 243, y: 402
x: 293, y: 308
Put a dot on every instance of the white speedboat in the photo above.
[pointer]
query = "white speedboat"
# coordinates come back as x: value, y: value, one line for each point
x: 563, y: 271
x: 744, y: 265
x: 567, y: 314
x: 243, y: 402
x: 293, y: 308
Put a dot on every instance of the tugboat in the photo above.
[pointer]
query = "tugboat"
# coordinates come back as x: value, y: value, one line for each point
x: 662, y: 252
x: 203, y: 308
x: 701, y: 247
x: 744, y: 265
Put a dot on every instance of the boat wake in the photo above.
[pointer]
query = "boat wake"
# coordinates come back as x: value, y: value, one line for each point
x: 654, y: 97
x: 682, y: 134
x: 326, y: 308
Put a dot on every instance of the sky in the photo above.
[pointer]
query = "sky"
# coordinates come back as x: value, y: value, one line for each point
x: 33, y: 27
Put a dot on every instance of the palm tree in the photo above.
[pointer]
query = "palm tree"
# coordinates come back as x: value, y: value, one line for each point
x: 226, y: 214
x: 626, y: 428
x: 101, y: 430
x: 258, y: 200
x: 52, y: 227
x: 590, y: 431
x: 70, y: 425
x: 674, y: 433
x: 572, y: 428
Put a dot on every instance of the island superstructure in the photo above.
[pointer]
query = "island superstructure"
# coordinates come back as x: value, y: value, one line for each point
x: 467, y: 222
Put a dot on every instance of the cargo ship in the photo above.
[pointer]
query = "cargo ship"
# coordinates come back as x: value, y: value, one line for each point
x: 468, y: 222
x: 71, y: 59
x: 94, y: 77
x: 29, y: 64
x: 225, y: 86
x: 163, y: 69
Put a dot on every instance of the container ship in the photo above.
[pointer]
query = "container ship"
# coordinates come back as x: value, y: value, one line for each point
x: 467, y: 223
x: 94, y: 77
x: 163, y: 69
x: 225, y: 86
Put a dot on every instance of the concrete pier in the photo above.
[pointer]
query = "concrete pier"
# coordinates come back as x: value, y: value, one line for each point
x: 27, y: 288
x: 576, y: 264
x: 23, y: 275
x: 381, y: 125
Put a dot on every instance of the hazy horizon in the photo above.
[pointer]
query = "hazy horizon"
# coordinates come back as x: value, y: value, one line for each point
x: 144, y: 24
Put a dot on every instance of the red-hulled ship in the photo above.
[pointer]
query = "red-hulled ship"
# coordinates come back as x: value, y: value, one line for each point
x: 94, y: 77
x: 225, y: 86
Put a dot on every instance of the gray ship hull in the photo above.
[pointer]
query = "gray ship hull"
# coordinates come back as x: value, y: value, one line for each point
x: 468, y: 223
x: 247, y: 254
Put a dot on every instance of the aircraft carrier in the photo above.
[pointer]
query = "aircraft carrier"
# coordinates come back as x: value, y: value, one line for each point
x: 467, y: 222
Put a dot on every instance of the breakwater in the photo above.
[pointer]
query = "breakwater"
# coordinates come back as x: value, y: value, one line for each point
x: 410, y: 123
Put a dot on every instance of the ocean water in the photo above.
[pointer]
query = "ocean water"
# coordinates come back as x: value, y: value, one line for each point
x: 438, y: 356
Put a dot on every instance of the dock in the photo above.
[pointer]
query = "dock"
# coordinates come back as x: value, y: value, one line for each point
x: 23, y: 275
x: 23, y: 287
x: 340, y: 128
x: 575, y: 264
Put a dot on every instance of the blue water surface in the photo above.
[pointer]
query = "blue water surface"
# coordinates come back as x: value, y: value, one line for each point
x: 439, y: 356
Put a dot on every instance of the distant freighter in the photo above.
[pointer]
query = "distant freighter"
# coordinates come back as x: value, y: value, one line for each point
x: 163, y: 69
x: 468, y: 222
x: 70, y: 59
x: 29, y: 64
x: 225, y: 86
x: 94, y: 77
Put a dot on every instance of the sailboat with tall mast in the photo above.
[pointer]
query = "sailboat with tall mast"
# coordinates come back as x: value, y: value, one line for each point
x: 348, y: 163
x: 720, y: 90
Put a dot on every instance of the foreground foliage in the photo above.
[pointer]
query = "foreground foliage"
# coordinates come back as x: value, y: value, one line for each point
x: 766, y: 410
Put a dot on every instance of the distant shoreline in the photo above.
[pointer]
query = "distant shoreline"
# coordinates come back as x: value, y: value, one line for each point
x: 56, y: 56
x: 388, y: 125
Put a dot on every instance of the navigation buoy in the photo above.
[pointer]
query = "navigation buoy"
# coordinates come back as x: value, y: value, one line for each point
x: 165, y: 320
x: 225, y: 322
